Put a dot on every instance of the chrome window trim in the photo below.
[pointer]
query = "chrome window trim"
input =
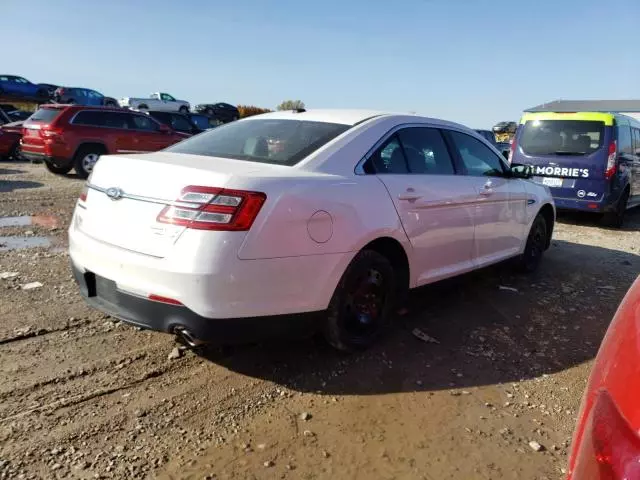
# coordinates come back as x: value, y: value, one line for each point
x: 359, y: 169
x: 72, y: 120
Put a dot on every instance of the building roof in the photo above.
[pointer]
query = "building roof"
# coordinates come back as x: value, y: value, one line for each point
x: 588, y: 106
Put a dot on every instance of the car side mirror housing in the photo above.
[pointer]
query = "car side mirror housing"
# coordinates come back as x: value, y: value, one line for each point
x: 521, y: 171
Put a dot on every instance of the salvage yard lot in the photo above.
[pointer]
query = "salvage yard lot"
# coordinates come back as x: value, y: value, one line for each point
x: 84, y: 396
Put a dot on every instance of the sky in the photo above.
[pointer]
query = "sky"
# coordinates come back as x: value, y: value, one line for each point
x: 477, y: 62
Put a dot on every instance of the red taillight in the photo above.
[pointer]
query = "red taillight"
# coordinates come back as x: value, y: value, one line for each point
x: 593, y: 206
x: 615, y: 444
x: 84, y: 193
x: 208, y: 208
x: 611, y: 161
x: 52, y: 134
x: 161, y: 299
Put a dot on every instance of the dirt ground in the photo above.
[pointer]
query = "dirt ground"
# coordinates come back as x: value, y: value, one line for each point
x: 84, y: 396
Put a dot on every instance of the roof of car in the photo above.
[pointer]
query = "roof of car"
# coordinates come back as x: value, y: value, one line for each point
x: 349, y: 117
x: 588, y: 106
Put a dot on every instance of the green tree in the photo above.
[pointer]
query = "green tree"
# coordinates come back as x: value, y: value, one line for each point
x: 291, y: 105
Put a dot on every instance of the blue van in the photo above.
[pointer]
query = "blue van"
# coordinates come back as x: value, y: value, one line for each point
x: 589, y: 160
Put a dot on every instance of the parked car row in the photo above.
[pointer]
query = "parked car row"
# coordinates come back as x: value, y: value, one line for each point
x: 67, y: 137
x: 15, y: 86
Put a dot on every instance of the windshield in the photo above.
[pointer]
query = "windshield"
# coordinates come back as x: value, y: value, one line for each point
x: 561, y: 137
x: 280, y: 142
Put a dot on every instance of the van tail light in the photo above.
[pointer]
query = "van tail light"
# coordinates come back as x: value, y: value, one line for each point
x: 611, y: 161
x: 209, y: 208
x: 615, y: 444
x: 512, y: 149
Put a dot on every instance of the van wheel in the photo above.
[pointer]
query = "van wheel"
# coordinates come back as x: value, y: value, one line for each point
x: 616, y: 219
x: 58, y: 170
x: 363, y: 302
x: 86, y: 158
x: 529, y: 261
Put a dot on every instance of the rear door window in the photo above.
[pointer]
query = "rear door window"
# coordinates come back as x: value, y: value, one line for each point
x: 624, y: 136
x: 180, y: 123
x: 478, y: 159
x: 388, y: 159
x: 561, y: 137
x: 143, y: 122
x: 90, y: 117
x: 426, y: 151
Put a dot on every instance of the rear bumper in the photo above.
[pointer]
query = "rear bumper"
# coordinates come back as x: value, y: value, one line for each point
x: 35, y: 157
x: 104, y: 295
x: 607, y: 204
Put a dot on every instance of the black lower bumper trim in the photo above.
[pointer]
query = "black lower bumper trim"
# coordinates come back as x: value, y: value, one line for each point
x: 103, y: 295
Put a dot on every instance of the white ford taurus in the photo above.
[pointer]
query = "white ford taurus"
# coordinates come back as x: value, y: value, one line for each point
x: 292, y: 221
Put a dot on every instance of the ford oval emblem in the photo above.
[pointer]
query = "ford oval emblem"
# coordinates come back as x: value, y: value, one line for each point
x: 114, y: 193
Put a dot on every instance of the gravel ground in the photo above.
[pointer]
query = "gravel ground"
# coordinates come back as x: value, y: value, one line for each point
x: 85, y: 396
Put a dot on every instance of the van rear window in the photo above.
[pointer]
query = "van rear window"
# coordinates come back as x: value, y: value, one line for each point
x: 45, y: 115
x: 561, y: 137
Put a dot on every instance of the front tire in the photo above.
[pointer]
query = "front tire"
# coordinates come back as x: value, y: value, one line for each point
x: 85, y: 160
x: 363, y: 303
x: 535, y: 247
x: 58, y: 170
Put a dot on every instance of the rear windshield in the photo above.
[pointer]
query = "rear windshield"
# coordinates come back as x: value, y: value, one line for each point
x: 561, y: 137
x: 45, y: 115
x: 275, y: 141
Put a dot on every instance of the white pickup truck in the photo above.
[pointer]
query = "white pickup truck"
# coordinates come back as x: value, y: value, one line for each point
x: 156, y: 101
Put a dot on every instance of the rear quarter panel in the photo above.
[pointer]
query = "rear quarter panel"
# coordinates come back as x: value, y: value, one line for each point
x: 351, y: 213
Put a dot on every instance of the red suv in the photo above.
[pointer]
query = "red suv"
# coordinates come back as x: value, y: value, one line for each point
x: 74, y: 136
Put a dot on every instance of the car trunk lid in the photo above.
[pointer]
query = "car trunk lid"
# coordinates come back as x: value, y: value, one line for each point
x: 128, y: 192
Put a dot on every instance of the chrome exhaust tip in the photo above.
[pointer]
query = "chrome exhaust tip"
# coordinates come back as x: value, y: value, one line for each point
x: 187, y: 337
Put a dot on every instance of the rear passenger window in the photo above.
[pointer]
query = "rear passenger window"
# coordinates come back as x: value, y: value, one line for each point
x: 142, y: 122
x: 425, y: 151
x: 389, y: 158
x: 90, y: 118
x: 636, y: 141
x: 624, y: 136
x: 478, y: 159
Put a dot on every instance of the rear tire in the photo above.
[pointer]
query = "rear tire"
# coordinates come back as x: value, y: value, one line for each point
x: 537, y: 240
x: 143, y: 107
x: 183, y: 110
x: 58, y: 170
x: 363, y: 303
x: 209, y: 112
x: 86, y: 158
x: 616, y: 219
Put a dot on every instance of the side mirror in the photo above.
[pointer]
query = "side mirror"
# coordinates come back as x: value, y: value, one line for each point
x: 164, y: 128
x: 521, y: 171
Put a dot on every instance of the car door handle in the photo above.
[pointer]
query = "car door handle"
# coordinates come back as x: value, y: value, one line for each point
x: 487, y: 189
x: 409, y: 196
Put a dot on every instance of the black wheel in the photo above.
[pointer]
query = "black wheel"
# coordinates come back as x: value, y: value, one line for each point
x: 209, y: 112
x: 184, y: 109
x: 536, y: 245
x: 363, y: 303
x: 86, y: 158
x: 234, y: 118
x: 110, y: 104
x: 58, y: 169
x: 616, y: 219
x: 14, y: 153
x: 143, y: 107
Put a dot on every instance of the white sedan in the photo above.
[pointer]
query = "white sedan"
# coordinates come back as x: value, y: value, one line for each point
x: 291, y: 222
